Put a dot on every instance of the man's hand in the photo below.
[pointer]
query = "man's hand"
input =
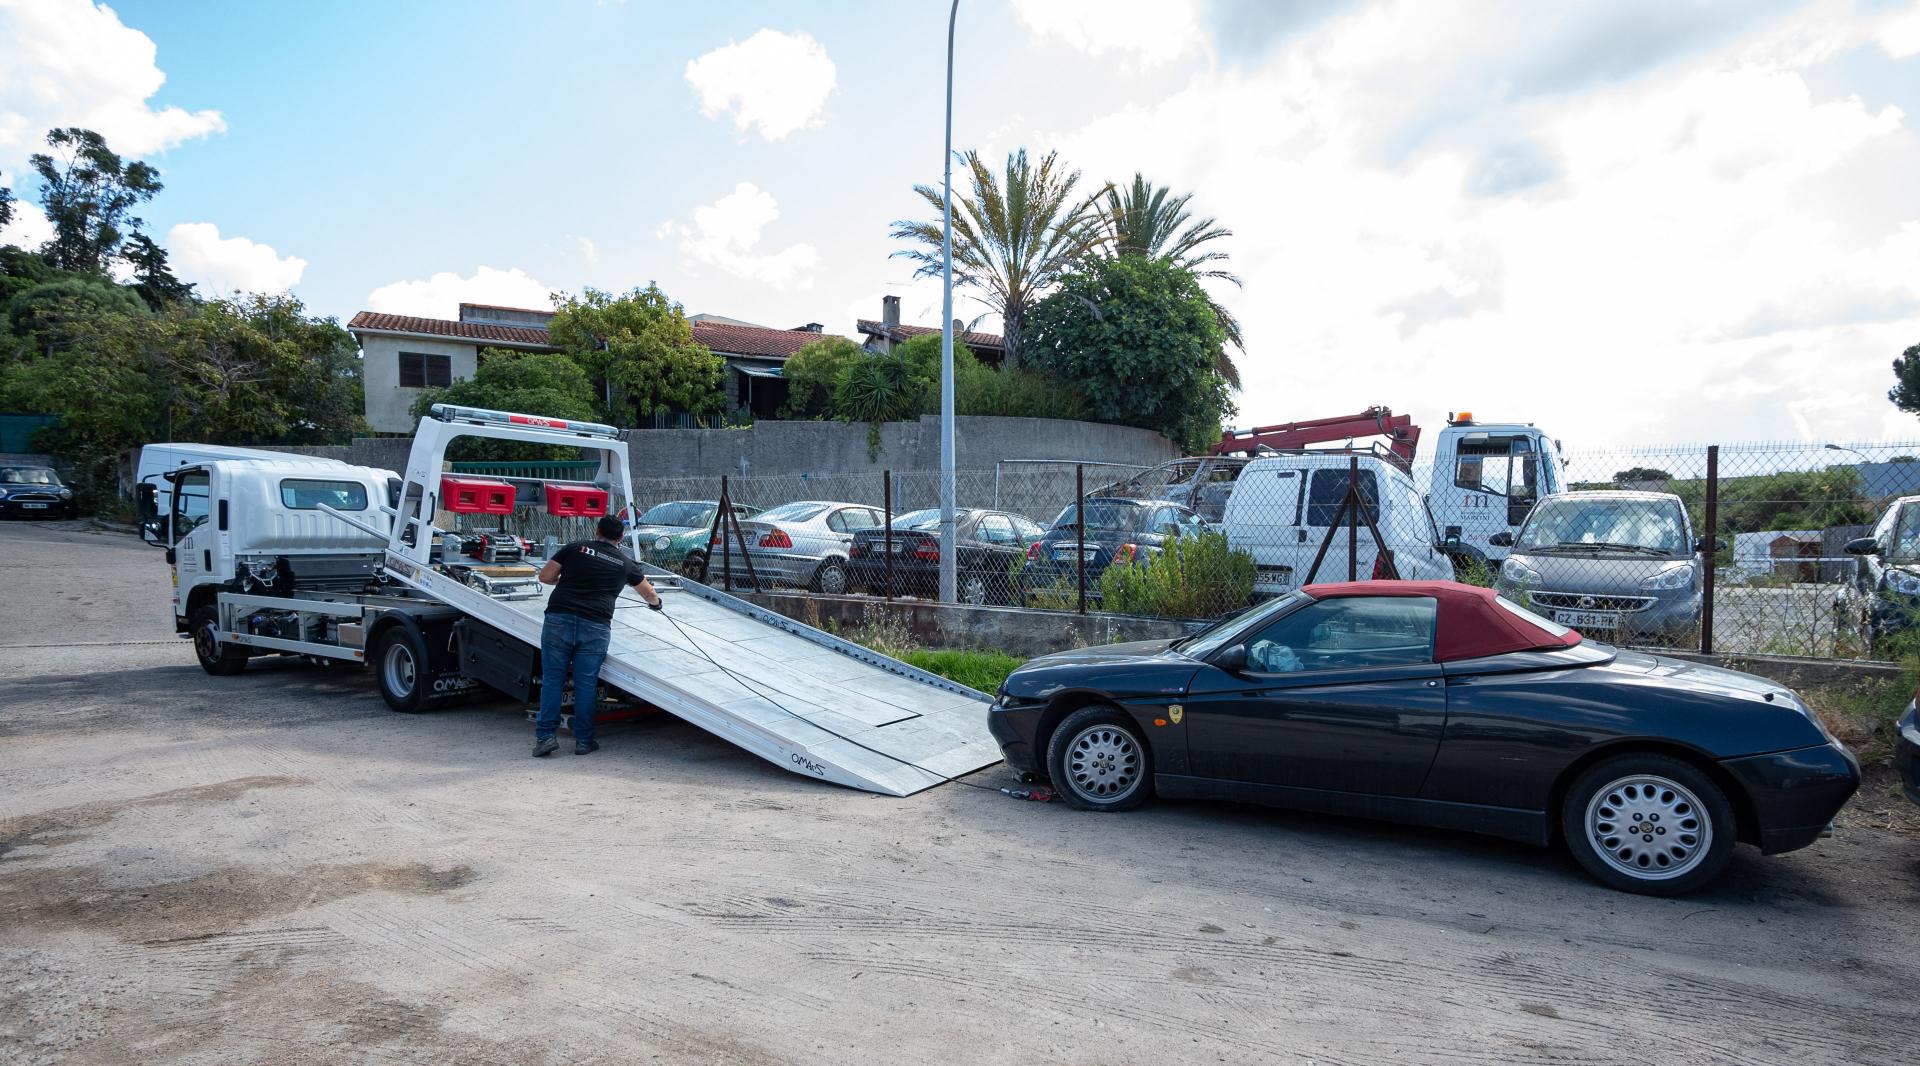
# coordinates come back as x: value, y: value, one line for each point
x: 657, y: 605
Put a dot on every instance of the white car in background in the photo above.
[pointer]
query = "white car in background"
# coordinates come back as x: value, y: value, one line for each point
x: 1284, y: 509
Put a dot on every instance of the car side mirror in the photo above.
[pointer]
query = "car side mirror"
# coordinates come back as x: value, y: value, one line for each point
x: 1863, y: 546
x: 1704, y: 546
x: 1502, y: 539
x: 1233, y: 660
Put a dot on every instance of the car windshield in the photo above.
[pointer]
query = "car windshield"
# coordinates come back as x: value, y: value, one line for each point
x: 1114, y: 515
x: 1906, y: 536
x: 1639, y: 526
x: 791, y: 512
x: 928, y: 518
x: 29, y: 475
x: 1211, y: 639
x: 683, y: 513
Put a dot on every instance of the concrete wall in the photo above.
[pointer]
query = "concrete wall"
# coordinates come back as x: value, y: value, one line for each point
x: 389, y: 407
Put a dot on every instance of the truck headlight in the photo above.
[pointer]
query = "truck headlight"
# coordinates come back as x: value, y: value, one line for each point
x: 661, y: 544
x: 1903, y: 582
x: 1677, y: 576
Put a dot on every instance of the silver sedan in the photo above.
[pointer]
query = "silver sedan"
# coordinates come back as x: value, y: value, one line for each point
x: 803, y: 543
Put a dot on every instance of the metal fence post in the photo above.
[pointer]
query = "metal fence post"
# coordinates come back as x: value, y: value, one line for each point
x: 1080, y: 530
x: 1712, y: 549
x: 1353, y: 518
x: 726, y: 548
x: 886, y: 494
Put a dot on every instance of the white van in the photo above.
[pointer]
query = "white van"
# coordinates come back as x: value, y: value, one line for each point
x: 153, y: 493
x: 1284, y: 508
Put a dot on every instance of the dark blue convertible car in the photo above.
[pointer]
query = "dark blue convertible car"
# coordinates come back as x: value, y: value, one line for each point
x: 1439, y: 704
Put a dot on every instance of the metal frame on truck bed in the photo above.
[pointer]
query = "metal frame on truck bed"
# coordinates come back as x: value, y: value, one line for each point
x: 431, y: 629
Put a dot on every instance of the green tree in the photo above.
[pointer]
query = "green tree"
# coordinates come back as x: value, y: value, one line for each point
x: 49, y: 314
x: 813, y: 374
x: 1138, y: 339
x: 534, y: 382
x: 1014, y: 236
x: 640, y: 351
x: 1143, y: 219
x: 1641, y: 473
x: 153, y: 279
x: 6, y: 206
x: 89, y: 194
x: 1905, y: 393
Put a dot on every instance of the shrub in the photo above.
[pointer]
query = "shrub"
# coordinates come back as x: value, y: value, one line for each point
x: 1197, y: 576
x: 813, y: 376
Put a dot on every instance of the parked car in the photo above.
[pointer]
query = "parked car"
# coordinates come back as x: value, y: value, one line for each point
x: 1906, y: 753
x: 804, y: 543
x: 1439, y: 704
x: 992, y: 544
x: 1284, y: 508
x: 1116, y: 528
x: 674, y: 535
x: 1887, y: 577
x: 1621, y: 564
x: 35, y: 492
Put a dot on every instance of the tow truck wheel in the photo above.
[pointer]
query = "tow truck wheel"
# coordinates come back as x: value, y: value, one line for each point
x: 216, y: 658
x: 400, y: 668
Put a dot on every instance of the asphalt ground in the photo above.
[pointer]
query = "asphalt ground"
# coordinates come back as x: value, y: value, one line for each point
x: 273, y: 867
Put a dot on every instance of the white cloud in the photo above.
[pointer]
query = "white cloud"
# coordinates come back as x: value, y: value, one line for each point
x: 1900, y: 34
x: 29, y: 228
x: 1149, y: 32
x: 441, y: 295
x: 1691, y: 248
x: 197, y: 253
x: 588, y: 250
x: 776, y: 81
x: 71, y: 63
x: 726, y: 234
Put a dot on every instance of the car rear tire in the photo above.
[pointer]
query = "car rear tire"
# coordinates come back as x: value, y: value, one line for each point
x: 1650, y: 824
x: 831, y: 578
x: 973, y: 590
x: 216, y: 657
x: 1099, y: 761
x: 400, y: 669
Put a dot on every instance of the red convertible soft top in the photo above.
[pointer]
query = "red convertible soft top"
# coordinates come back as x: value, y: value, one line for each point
x: 1470, y: 623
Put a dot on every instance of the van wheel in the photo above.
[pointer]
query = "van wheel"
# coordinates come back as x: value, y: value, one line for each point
x: 216, y: 657
x: 400, y: 668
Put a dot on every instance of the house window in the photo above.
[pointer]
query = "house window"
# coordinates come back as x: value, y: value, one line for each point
x: 419, y: 371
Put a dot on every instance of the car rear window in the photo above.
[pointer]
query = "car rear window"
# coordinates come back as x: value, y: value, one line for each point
x: 1112, y: 515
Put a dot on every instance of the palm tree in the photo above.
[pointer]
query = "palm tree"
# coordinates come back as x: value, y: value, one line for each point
x: 1144, y: 220
x: 1012, y: 237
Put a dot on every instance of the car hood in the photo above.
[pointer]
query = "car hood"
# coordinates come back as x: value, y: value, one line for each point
x: 1138, y: 669
x: 1606, y: 574
x: 1108, y: 653
x: 1700, y: 677
x: 667, y: 531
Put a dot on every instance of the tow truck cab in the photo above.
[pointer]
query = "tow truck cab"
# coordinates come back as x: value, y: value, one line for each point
x: 255, y: 527
x: 1485, y: 477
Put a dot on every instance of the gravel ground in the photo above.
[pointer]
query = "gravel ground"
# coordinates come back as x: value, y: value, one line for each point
x: 273, y: 867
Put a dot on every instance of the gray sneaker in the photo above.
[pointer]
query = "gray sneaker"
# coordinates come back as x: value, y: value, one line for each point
x: 585, y: 747
x: 542, y: 748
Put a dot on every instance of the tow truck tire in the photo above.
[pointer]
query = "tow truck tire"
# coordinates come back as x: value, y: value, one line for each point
x: 400, y: 669
x: 216, y: 657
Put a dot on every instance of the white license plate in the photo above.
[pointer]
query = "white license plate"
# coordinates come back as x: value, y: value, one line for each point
x: 1588, y: 619
x: 34, y: 506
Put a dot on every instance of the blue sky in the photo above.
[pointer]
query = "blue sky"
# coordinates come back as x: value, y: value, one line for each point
x: 1631, y: 221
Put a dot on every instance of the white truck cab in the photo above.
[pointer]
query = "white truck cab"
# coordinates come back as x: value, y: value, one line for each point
x: 1483, y: 479
x: 153, y: 492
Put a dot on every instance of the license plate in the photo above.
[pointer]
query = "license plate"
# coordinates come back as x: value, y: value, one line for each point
x: 34, y: 506
x: 1588, y: 619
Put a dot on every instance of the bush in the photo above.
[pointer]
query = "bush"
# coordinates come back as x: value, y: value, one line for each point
x: 1191, y: 577
x: 813, y: 376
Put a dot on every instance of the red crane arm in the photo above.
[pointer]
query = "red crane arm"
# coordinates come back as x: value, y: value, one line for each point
x: 1403, y: 437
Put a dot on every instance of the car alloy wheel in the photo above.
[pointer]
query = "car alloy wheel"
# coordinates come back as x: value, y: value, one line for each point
x: 1103, y: 764
x: 694, y: 567
x: 1649, y: 827
x: 974, y: 590
x: 832, y: 579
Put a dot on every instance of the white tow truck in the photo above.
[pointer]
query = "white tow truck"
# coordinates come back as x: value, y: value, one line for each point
x: 349, y: 563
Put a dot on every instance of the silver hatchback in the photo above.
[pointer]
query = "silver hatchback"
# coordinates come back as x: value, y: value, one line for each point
x: 803, y: 543
x: 1618, y: 566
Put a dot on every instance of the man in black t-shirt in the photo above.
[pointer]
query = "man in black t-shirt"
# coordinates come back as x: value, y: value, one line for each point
x: 587, y: 577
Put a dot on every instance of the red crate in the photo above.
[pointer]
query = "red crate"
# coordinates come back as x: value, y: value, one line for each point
x: 476, y: 495
x: 572, y: 500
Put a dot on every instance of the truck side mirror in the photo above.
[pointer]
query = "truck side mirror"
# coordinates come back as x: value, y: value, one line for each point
x: 146, y: 510
x: 1863, y: 546
x: 1502, y: 539
x: 1233, y: 660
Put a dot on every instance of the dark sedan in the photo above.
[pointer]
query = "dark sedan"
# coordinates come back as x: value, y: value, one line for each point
x: 991, y: 546
x: 35, y: 492
x: 1445, y: 705
x: 1906, y: 753
x: 1116, y: 530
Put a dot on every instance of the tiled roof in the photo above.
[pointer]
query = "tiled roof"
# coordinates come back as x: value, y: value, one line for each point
x: 440, y: 327
x: 723, y: 339
x: 901, y: 333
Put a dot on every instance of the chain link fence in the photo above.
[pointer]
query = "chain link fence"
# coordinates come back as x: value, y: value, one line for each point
x: 1806, y: 549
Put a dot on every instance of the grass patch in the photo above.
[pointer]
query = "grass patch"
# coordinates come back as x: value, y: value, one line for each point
x: 1862, y: 714
x: 983, y: 670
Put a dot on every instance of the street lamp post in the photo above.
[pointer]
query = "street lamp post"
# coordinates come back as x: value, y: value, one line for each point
x: 949, y: 546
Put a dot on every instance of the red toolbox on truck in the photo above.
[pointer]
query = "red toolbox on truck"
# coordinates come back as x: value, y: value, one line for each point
x: 568, y: 499
x: 476, y: 495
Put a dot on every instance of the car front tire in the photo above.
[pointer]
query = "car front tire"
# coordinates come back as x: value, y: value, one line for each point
x: 694, y: 567
x: 1650, y: 824
x: 1099, y: 761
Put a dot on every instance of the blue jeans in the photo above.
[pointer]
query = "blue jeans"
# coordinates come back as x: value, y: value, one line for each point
x: 568, y: 639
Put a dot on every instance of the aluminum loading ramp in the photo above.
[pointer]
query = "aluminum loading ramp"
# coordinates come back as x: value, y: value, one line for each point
x: 851, y: 715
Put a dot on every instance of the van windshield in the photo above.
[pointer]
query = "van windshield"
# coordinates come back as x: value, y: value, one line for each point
x: 1641, y: 526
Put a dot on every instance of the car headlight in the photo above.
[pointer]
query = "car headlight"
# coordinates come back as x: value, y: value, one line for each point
x: 1677, y: 576
x: 1903, y: 582
x: 661, y: 544
x: 66, y: 493
x: 1516, y: 573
